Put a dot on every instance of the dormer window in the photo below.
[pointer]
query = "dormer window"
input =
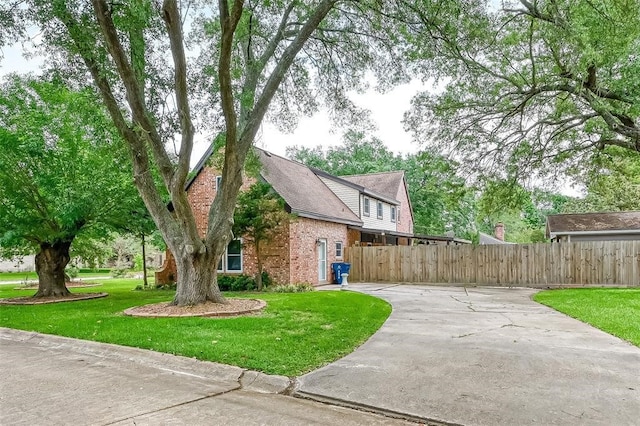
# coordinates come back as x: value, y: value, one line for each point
x: 365, y: 207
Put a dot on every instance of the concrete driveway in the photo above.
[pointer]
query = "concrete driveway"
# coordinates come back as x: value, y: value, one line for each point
x: 484, y: 356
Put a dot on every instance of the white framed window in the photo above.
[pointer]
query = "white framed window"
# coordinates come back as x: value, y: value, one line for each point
x: 380, y: 210
x: 398, y: 214
x: 365, y: 208
x: 339, y: 249
x: 231, y: 261
x: 393, y: 213
x: 218, y: 182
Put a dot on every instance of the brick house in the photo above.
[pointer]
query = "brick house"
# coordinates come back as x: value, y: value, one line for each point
x: 331, y: 213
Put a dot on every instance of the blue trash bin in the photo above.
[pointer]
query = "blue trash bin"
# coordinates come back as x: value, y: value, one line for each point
x: 346, y: 267
x: 338, y: 269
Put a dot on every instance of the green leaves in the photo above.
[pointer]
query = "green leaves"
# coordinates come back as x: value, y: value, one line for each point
x: 259, y: 213
x: 63, y: 170
x: 532, y: 87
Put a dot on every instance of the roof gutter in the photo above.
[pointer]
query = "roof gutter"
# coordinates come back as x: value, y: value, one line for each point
x: 607, y: 232
x: 316, y: 216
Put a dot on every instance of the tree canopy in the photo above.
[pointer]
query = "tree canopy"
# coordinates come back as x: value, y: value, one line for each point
x: 60, y: 173
x: 611, y: 182
x: 231, y: 64
x: 533, y: 86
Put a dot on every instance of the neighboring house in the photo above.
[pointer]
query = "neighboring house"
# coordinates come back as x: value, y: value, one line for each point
x: 331, y: 213
x: 23, y: 264
x: 608, y: 226
x: 496, y: 238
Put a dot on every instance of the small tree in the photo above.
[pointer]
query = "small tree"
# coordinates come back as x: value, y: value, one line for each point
x: 259, y: 213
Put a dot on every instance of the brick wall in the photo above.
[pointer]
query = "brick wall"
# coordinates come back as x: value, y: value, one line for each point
x: 275, y: 256
x: 200, y: 195
x: 304, y: 250
x: 292, y: 256
x: 405, y: 223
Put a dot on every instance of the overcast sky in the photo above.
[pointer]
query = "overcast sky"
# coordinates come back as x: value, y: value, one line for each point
x: 386, y: 113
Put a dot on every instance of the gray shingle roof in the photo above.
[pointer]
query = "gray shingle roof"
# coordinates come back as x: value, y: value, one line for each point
x: 386, y: 183
x: 584, y: 222
x: 303, y: 190
x: 487, y: 240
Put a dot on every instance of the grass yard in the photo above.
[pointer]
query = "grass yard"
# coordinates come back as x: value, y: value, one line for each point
x: 32, y: 276
x: 295, y: 333
x: 614, y: 310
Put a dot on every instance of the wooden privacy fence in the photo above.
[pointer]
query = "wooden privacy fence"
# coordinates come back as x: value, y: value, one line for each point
x: 532, y: 265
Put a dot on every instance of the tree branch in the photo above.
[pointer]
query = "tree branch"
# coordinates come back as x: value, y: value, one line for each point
x: 135, y: 95
x: 171, y: 17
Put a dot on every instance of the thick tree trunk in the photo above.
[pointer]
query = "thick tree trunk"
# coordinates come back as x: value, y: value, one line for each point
x: 197, y: 280
x: 50, y: 264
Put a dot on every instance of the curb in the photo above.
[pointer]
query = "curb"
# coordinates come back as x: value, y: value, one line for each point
x: 371, y: 409
x: 176, y: 364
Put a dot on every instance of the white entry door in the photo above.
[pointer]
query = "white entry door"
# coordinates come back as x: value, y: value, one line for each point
x: 322, y: 260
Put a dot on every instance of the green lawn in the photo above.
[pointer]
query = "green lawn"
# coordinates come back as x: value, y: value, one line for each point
x: 616, y: 311
x: 296, y: 333
x: 31, y: 276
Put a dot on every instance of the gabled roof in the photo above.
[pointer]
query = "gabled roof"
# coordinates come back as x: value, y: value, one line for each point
x: 585, y: 223
x: 303, y: 191
x: 361, y: 188
x: 386, y: 183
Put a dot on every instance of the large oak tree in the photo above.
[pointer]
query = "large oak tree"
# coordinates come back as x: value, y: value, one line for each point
x: 530, y: 85
x: 239, y: 60
x: 63, y: 175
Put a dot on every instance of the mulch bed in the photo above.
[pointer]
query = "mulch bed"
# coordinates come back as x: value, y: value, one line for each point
x: 29, y: 300
x: 234, y: 307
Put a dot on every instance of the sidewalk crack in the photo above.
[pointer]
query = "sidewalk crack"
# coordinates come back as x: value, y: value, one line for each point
x: 169, y: 407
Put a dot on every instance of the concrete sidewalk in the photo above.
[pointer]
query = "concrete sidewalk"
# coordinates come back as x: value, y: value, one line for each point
x: 51, y: 380
x: 484, y: 356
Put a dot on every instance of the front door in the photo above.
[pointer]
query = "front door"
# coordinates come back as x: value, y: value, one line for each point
x: 322, y: 260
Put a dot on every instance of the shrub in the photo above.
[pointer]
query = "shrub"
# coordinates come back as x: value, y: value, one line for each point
x: 167, y: 286
x: 72, y: 271
x: 228, y: 282
x: 94, y: 270
x: 118, y: 272
x: 266, y: 279
x: 292, y: 288
x: 137, y: 262
x: 236, y: 283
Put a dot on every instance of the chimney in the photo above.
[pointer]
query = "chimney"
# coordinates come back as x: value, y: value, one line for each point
x: 499, y: 231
